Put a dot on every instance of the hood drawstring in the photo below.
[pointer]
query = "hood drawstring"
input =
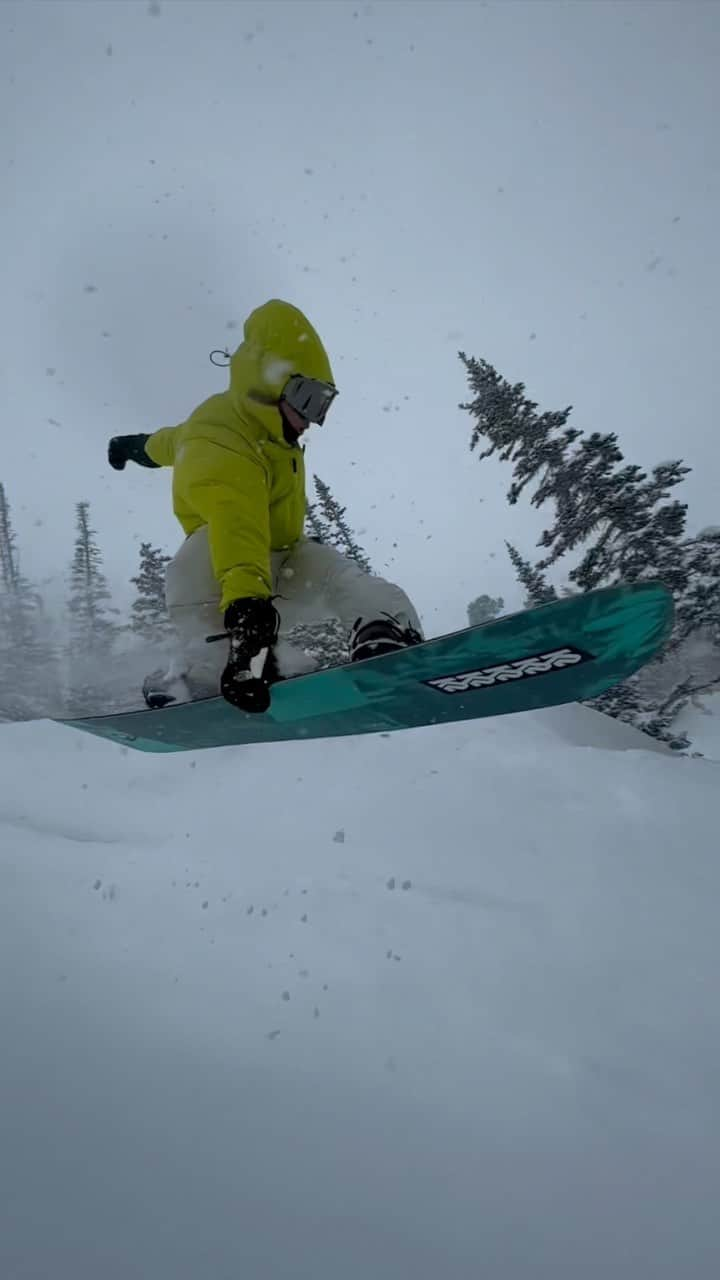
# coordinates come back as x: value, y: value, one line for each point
x: 220, y: 364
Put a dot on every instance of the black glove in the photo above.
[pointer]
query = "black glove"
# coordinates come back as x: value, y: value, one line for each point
x: 122, y: 449
x: 252, y: 624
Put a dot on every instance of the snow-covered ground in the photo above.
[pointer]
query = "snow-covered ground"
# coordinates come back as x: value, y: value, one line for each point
x: 439, y: 1004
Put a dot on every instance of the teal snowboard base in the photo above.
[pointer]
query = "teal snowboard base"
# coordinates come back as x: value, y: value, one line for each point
x: 566, y: 651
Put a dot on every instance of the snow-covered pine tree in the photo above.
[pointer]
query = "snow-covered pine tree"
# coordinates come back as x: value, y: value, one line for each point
x: 698, y: 601
x: 484, y: 609
x: 613, y: 515
x: 149, y: 615
x: 326, y: 641
x: 8, y: 546
x: 92, y: 629
x: 334, y: 528
x: 315, y: 526
x: 537, y: 589
x: 515, y: 430
x: 632, y: 531
x: 89, y: 591
x: 691, y: 664
x: 11, y: 693
x: 653, y: 698
x: 29, y: 676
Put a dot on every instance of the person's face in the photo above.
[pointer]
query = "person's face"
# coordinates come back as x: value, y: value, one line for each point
x: 295, y: 420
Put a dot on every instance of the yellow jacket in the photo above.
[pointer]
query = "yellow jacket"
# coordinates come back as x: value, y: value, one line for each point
x: 232, y: 467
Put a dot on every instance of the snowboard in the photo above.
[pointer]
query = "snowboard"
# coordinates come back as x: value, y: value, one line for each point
x: 565, y: 651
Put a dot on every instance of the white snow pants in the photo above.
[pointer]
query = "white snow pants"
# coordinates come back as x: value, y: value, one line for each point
x: 311, y: 581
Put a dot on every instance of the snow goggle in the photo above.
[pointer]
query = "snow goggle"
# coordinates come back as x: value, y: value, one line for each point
x: 309, y: 397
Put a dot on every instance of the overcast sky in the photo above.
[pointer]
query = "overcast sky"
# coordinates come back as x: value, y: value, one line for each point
x: 536, y: 183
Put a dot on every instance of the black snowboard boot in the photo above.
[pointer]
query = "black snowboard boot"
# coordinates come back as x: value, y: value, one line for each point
x: 380, y: 636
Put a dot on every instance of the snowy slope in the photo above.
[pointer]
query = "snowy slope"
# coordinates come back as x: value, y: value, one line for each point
x: 441, y: 1004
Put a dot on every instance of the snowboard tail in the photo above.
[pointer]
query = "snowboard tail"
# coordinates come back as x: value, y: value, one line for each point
x: 565, y: 651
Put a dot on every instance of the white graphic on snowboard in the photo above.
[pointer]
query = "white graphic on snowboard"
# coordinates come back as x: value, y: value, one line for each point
x: 521, y: 669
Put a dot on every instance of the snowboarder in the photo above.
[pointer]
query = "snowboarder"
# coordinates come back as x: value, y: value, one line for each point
x: 239, y: 494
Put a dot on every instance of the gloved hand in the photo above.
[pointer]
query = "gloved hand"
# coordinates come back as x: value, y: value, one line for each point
x: 122, y: 449
x: 252, y: 624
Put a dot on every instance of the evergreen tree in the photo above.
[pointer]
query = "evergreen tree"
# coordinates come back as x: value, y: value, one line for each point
x: 630, y: 702
x: 484, y: 609
x: 332, y: 526
x: 614, y: 512
x: 149, y: 615
x: 538, y: 590
x: 8, y: 553
x: 316, y: 527
x: 515, y: 431
x: 92, y: 630
x: 29, y: 677
x: 622, y: 524
x: 89, y: 591
x: 326, y: 641
x: 698, y: 602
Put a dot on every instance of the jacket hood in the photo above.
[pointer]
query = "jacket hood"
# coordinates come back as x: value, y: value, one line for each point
x: 278, y: 341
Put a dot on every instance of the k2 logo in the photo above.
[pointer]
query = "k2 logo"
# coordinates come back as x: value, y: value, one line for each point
x: 538, y: 664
